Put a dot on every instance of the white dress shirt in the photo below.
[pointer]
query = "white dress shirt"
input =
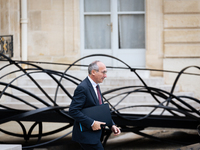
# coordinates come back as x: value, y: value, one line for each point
x: 94, y: 86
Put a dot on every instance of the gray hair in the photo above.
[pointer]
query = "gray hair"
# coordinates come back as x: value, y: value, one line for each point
x: 93, y: 66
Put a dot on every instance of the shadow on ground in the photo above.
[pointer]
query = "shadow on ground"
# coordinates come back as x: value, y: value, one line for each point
x: 131, y: 141
x: 170, y: 140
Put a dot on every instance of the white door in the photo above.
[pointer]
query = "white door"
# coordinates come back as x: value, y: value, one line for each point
x: 113, y: 27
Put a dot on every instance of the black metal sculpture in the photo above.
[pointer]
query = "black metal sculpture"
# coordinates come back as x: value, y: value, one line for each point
x: 180, y: 114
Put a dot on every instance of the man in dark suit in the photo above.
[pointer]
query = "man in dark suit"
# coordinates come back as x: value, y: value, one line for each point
x: 86, y: 131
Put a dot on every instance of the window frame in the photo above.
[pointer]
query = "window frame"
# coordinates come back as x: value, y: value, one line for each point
x: 115, y: 50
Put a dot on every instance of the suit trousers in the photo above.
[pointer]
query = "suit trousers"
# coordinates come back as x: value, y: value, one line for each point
x: 97, y: 146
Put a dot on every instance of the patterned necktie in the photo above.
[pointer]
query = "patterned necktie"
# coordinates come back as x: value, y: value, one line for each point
x: 99, y: 95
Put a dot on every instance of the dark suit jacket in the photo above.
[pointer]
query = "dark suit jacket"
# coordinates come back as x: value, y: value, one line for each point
x: 84, y: 96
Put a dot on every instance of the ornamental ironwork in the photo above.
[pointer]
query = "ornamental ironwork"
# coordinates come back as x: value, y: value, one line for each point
x: 174, y: 111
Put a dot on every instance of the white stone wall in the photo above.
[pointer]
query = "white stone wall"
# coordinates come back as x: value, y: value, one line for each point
x: 10, y: 22
x: 53, y: 31
x: 182, y: 42
x: 154, y: 35
x: 172, y: 33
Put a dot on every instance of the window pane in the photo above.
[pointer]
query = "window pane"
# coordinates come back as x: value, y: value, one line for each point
x: 131, y: 5
x: 97, y: 5
x: 131, y: 31
x: 97, y: 32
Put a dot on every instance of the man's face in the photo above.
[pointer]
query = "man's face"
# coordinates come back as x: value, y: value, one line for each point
x: 100, y: 75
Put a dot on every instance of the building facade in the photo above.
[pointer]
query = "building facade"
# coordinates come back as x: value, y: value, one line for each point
x: 156, y: 34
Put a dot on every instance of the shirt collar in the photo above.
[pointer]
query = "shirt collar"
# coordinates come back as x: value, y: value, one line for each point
x: 92, y: 82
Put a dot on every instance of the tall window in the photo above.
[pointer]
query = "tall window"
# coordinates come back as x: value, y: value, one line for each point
x: 97, y: 32
x: 131, y: 24
x: 114, y: 27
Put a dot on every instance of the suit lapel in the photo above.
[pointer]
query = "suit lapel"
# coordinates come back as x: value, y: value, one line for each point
x: 92, y: 91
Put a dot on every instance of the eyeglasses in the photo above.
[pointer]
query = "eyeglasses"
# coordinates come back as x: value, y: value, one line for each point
x: 104, y: 72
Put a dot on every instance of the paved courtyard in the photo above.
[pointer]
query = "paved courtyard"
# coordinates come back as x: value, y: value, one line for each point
x: 126, y: 141
x: 130, y: 141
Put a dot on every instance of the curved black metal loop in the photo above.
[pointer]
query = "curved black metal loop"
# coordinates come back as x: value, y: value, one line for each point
x: 46, y: 143
x: 198, y: 129
x: 24, y: 130
x: 29, y: 113
x: 31, y: 130
x: 176, y: 106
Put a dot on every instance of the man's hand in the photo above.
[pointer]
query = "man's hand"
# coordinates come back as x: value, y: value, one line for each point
x: 97, y: 125
x: 115, y: 130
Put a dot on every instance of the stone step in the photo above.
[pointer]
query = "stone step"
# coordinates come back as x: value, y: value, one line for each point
x: 61, y: 95
x: 151, y: 103
x: 70, y: 89
x: 47, y: 89
x: 134, y: 98
x: 107, y: 82
x: 129, y: 81
x: 157, y: 112
x: 163, y: 87
x: 45, y: 82
x: 123, y: 77
x: 136, y: 110
x: 81, y: 74
x: 10, y: 147
x: 22, y: 106
x: 141, y: 98
x: 63, y: 98
x: 116, y: 79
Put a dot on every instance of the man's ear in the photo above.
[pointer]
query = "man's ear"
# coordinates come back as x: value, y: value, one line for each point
x: 93, y: 72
